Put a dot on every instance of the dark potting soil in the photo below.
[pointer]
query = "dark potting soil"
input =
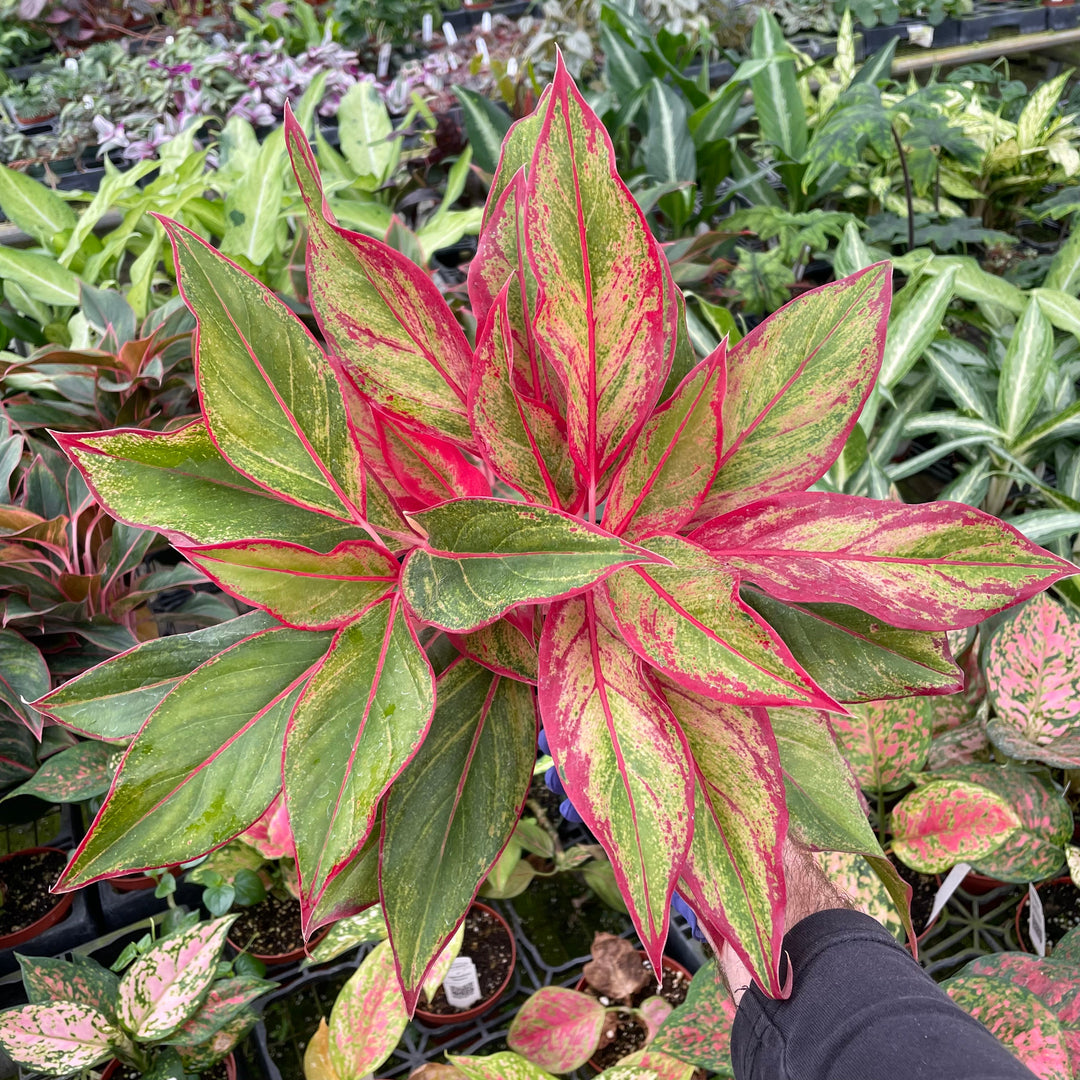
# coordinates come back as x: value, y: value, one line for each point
x: 269, y: 928
x: 25, y: 880
x: 923, y: 891
x: 488, y: 944
x: 624, y: 1033
x: 1061, y: 910
x: 215, y: 1072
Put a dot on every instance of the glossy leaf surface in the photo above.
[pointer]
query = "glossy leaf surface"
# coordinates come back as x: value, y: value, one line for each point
x: 188, y: 788
x: 502, y: 647
x: 734, y: 869
x: 58, y: 1038
x: 452, y: 811
x: 699, y: 1030
x: 688, y: 621
x: 926, y: 567
x: 81, y: 979
x: 885, y: 742
x: 795, y: 386
x: 224, y: 1001
x: 557, y: 1029
x: 298, y: 586
x: 485, y: 556
x: 360, y: 719
x: 621, y: 757
x: 946, y: 822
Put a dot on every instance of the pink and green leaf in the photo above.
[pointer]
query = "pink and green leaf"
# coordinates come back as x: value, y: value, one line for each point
x: 1031, y: 671
x: 557, y: 1029
x: 885, y: 742
x: 672, y: 462
x: 57, y: 1039
x: 298, y: 586
x: 687, y: 620
x: 734, y: 870
x: 523, y: 439
x: 167, y: 984
x: 467, y: 785
x: 621, y: 756
x: 358, y: 722
x: 199, y: 1058
x: 950, y: 821
x: 655, y: 1010
x: 483, y: 557
x: 81, y: 980
x: 254, y: 357
x: 503, y: 647
x: 225, y: 1000
x: 504, y: 1065
x: 1018, y: 1019
x: 601, y: 316
x: 80, y: 772
x: 368, y: 1017
x: 795, y: 386
x: 644, y: 1064
x: 186, y: 788
x: 1061, y: 752
x: 178, y: 483
x: 856, y: 879
x: 438, y: 971
x: 383, y: 317
x: 927, y: 567
x: 699, y: 1030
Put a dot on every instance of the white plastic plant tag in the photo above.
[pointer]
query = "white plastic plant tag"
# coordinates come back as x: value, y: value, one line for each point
x: 1036, y: 921
x: 921, y: 35
x: 512, y: 67
x: 461, y: 985
x: 482, y: 49
x: 384, y: 60
x: 1072, y: 856
x: 427, y: 27
x: 449, y: 33
x: 485, y: 22
x: 948, y: 887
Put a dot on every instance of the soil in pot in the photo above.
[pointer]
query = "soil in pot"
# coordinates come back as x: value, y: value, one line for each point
x: 26, y: 878
x: 923, y: 890
x: 625, y: 1033
x: 269, y: 928
x: 126, y: 1072
x: 488, y: 944
x: 1061, y: 912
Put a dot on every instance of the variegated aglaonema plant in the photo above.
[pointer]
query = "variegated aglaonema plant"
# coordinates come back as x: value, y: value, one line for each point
x: 655, y: 565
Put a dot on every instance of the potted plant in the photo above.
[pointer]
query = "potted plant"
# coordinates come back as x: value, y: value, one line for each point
x: 616, y: 1010
x: 27, y: 907
x: 336, y: 496
x: 175, y: 1006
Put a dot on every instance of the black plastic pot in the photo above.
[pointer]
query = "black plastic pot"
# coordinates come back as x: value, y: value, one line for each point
x: 79, y: 927
x: 120, y: 909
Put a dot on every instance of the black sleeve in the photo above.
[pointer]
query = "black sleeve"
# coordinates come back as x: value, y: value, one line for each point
x: 860, y: 1009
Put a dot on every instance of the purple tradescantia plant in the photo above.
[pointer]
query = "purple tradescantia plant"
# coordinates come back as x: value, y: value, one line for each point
x: 661, y: 576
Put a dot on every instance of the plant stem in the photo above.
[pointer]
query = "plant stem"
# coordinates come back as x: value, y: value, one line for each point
x: 907, y: 189
x: 881, y: 816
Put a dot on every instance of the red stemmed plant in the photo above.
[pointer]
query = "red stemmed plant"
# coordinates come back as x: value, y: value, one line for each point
x: 662, y: 573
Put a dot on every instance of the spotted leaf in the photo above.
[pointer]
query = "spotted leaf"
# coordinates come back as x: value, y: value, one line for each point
x: 699, y: 1030
x: 946, y: 822
x: 57, y: 1039
x: 503, y: 647
x: 383, y: 317
x: 687, y: 620
x: 226, y: 999
x: 855, y: 878
x: 661, y: 1065
x: 621, y: 756
x: 734, y: 870
x: 1018, y: 1019
x: 795, y: 386
x: 1033, y: 682
x: 485, y: 556
x: 502, y: 1066
x: 601, y: 315
x: 167, y: 984
x: 82, y: 980
x: 885, y: 742
x: 926, y: 567
x: 298, y: 586
x: 80, y: 772
x: 557, y: 1029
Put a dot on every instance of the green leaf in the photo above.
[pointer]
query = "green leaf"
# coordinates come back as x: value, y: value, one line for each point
x: 853, y: 656
x: 80, y: 979
x: 669, y: 151
x: 33, y: 207
x: 178, y: 483
x: 1028, y: 361
x: 1064, y: 271
x: 367, y: 136
x: 184, y: 788
x: 112, y: 700
x: 255, y: 357
x: 360, y: 720
x: 43, y: 278
x: 58, y: 1038
x: 80, y: 772
x: 301, y: 587
x: 855, y: 877
x: 914, y: 327
x: 452, y: 810
x: 504, y: 1065
x: 485, y: 556
x: 779, y: 107
x: 1060, y: 308
x: 24, y: 677
x: 486, y: 126
x: 699, y: 1030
